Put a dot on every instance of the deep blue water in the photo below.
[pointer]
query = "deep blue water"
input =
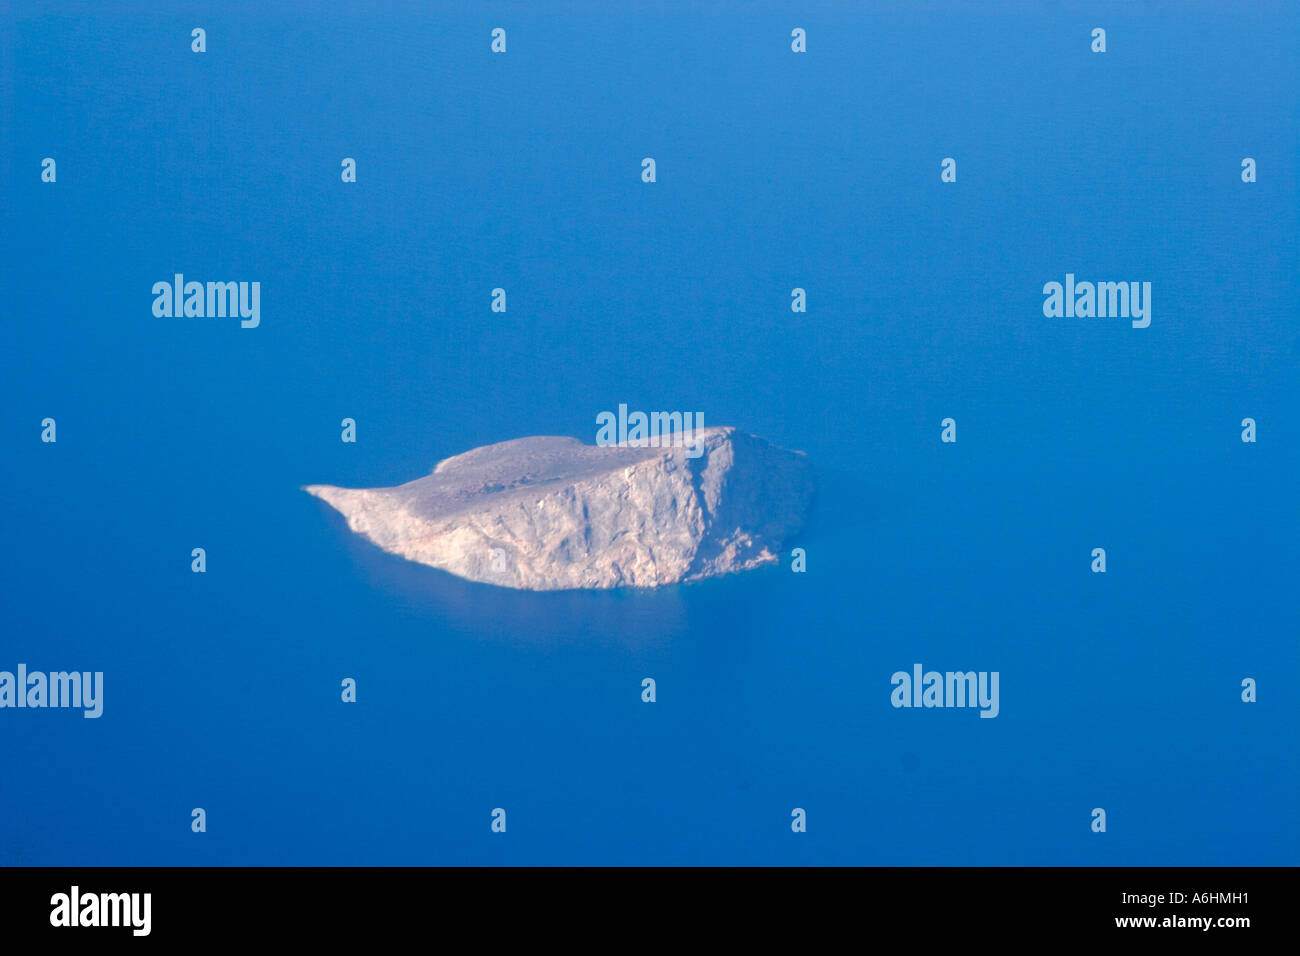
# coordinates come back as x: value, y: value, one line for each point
x: 775, y: 170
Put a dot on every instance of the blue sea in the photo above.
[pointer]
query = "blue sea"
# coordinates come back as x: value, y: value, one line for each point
x: 775, y: 170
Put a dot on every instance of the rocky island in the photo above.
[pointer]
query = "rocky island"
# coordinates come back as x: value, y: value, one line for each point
x: 549, y: 513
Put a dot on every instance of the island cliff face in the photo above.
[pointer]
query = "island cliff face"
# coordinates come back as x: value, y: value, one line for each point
x: 549, y: 514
